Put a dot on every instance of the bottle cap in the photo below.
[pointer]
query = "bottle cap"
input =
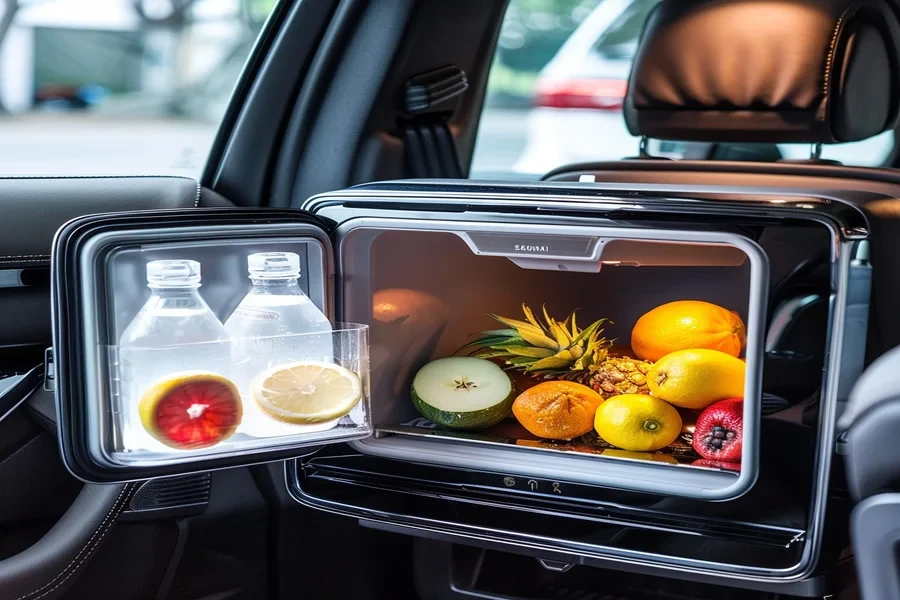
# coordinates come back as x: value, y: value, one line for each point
x: 273, y: 264
x: 173, y: 273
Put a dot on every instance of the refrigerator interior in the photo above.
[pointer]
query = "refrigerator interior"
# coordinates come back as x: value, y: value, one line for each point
x: 425, y: 293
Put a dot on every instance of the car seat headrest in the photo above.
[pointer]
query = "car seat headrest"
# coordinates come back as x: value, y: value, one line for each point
x: 815, y: 71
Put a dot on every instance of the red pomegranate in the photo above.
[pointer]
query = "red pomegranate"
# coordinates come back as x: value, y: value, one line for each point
x: 719, y: 432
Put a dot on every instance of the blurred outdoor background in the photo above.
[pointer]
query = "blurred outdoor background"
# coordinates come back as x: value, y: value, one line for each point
x: 94, y: 87
x: 118, y: 86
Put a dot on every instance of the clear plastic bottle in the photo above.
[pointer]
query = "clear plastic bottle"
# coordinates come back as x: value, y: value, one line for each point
x: 165, y: 338
x: 264, y: 329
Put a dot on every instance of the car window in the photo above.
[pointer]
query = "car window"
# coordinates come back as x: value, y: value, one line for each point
x: 620, y: 39
x: 556, y: 88
x: 118, y: 87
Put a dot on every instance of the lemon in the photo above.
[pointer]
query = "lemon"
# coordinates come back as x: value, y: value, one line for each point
x: 307, y: 392
x: 696, y: 378
x: 637, y: 422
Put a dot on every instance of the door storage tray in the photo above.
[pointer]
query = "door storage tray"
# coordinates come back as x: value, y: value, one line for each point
x: 149, y: 380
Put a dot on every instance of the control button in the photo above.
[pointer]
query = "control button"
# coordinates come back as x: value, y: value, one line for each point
x: 509, y: 482
x: 532, y: 485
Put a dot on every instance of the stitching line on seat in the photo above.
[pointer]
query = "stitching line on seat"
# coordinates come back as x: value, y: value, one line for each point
x: 28, y: 443
x: 829, y: 58
x: 45, y: 257
x: 25, y: 258
x: 86, y: 550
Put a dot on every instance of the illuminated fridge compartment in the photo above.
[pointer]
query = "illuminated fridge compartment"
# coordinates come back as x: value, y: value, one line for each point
x: 627, y: 358
x: 182, y: 348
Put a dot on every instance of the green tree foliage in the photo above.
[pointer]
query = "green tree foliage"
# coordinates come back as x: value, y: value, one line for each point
x: 533, y: 30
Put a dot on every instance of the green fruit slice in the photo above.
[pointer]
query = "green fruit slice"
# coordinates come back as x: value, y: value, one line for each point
x: 463, y: 393
x: 191, y: 410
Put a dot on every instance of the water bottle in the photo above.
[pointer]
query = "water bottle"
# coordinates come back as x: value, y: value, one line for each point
x: 265, y: 329
x: 167, y: 337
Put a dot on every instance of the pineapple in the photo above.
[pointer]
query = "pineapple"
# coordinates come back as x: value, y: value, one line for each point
x: 616, y: 375
x: 561, y: 350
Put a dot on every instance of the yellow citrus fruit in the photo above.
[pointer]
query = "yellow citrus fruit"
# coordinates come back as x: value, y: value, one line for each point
x: 191, y: 410
x: 687, y: 324
x: 307, y: 392
x: 651, y: 456
x: 637, y: 422
x: 697, y: 378
x: 557, y: 410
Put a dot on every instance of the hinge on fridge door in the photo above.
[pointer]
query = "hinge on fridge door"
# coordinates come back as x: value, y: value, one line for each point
x: 49, y: 371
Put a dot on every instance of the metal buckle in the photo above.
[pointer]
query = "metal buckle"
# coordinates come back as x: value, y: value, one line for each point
x: 49, y: 371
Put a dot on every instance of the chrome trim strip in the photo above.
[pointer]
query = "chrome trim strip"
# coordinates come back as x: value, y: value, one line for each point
x: 583, y: 509
x: 11, y: 278
x: 792, y: 202
x: 466, y: 534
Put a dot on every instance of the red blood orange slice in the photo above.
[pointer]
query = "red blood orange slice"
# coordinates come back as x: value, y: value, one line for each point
x: 191, y: 410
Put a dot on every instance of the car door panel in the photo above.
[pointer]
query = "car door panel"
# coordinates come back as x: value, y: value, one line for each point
x: 51, y: 524
x: 36, y: 208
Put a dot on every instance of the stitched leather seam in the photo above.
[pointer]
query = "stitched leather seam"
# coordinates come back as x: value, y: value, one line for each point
x: 829, y: 58
x: 24, y: 258
x: 22, y: 263
x: 87, y: 549
x: 25, y: 261
x: 25, y: 445
x: 44, y: 257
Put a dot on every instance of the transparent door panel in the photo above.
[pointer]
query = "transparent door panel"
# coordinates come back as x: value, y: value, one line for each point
x: 210, y: 347
x: 149, y: 416
x: 430, y: 295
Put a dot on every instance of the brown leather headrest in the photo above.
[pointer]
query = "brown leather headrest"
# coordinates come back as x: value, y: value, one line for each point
x: 766, y: 71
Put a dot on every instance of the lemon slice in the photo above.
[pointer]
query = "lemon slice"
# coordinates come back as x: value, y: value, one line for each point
x: 307, y: 392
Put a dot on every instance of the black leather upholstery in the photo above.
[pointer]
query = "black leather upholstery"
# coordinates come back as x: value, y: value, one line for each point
x: 871, y: 417
x: 41, y: 206
x: 47, y: 568
x: 34, y: 208
x: 766, y: 71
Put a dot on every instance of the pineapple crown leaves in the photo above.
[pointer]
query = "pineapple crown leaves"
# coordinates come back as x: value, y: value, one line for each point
x: 548, y: 346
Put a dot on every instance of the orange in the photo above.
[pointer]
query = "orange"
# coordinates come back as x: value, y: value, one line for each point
x: 557, y: 410
x: 638, y: 422
x: 687, y: 324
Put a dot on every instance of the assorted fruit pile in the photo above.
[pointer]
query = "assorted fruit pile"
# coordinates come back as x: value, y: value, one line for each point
x: 194, y: 410
x: 563, y: 383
